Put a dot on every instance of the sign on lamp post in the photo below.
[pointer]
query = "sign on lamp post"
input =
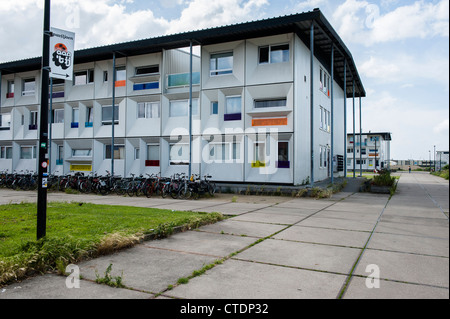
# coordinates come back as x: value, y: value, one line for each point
x: 61, y: 54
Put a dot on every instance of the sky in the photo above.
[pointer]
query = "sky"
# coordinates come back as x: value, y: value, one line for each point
x: 401, y: 49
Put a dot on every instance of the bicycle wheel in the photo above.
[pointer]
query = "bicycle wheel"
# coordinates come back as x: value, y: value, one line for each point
x: 130, y: 189
x: 211, y: 188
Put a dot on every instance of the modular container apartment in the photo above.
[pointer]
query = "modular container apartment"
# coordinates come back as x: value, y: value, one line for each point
x: 368, y: 151
x: 267, y: 103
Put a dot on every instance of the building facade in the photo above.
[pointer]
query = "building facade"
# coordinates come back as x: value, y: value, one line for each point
x: 266, y: 104
x: 368, y: 151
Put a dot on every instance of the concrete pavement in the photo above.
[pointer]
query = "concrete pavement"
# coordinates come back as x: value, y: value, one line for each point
x: 278, y: 248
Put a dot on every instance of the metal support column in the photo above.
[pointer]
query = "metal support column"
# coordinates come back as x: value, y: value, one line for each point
x: 50, y: 115
x: 332, y: 115
x: 190, y: 109
x: 312, y: 102
x: 113, y: 112
x: 360, y: 139
x: 354, y: 136
x: 345, y: 118
x: 43, y: 129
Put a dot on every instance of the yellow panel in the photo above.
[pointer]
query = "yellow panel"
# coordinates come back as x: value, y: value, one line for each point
x: 83, y: 168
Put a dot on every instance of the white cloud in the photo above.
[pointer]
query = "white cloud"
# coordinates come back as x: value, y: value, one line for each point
x: 362, y: 22
x: 442, y: 127
x: 201, y: 14
x: 406, y: 68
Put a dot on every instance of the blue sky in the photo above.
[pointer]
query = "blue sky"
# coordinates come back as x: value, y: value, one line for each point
x: 401, y: 48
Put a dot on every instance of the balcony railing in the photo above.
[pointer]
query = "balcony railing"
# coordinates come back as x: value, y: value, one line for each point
x: 182, y: 79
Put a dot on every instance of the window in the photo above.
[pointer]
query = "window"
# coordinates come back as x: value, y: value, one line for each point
x: 137, y: 154
x: 283, y: 151
x: 121, y: 73
x: 179, y: 154
x: 324, y: 82
x: 233, y: 105
x: 29, y: 87
x: 270, y: 103
x: 148, y: 110
x: 119, y: 152
x: 274, y: 54
x: 58, y: 116
x: 147, y: 70
x: 33, y: 118
x: 325, y: 119
x: 84, y: 77
x: 107, y: 115
x: 60, y: 155
x: 219, y: 152
x: 75, y: 117
x: 6, y: 152
x: 27, y: 152
x: 180, y: 108
x: 323, y: 156
x: 236, y: 151
x: 89, y: 116
x: 5, y: 120
x: 260, y: 152
x: 221, y: 63
x: 81, y: 152
x: 153, y: 152
x: 10, y: 90
x: 105, y: 76
x: 214, y: 108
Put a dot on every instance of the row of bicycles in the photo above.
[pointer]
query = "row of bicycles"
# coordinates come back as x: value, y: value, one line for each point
x: 177, y: 186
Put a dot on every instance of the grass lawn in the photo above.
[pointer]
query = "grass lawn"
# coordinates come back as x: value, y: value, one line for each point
x: 78, y: 230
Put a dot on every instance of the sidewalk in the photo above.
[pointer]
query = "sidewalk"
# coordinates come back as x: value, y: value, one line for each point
x: 278, y: 248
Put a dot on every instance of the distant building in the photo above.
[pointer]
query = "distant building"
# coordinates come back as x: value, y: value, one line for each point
x: 370, y: 151
x: 442, y: 159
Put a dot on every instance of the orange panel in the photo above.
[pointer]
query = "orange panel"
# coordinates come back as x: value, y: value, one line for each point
x: 121, y: 83
x: 270, y: 122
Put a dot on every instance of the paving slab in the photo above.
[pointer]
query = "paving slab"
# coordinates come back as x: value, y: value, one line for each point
x: 305, y: 203
x: 338, y: 223
x: 411, y: 244
x: 364, y: 216
x: 54, y: 287
x: 303, y: 255
x: 413, y: 229
x: 406, y: 267
x: 347, y: 238
x: 357, y: 289
x: 145, y: 268
x: 243, y: 228
x: 217, y: 245
x: 236, y: 279
x: 273, y: 218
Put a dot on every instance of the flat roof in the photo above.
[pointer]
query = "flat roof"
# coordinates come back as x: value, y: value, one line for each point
x: 324, y: 38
